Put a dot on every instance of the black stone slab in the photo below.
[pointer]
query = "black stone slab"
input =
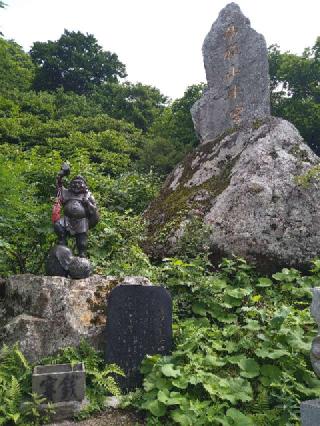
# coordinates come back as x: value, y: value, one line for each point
x: 139, y: 323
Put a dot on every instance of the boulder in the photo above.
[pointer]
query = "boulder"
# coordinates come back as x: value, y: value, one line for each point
x: 244, y: 189
x: 44, y: 314
x: 236, y: 63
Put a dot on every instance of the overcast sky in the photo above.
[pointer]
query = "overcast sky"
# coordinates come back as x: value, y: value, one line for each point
x: 158, y: 40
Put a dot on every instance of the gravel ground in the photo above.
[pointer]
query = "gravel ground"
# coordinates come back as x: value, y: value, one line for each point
x: 108, y: 418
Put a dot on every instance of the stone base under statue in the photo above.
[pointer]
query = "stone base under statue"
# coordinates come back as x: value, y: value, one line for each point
x: 310, y: 412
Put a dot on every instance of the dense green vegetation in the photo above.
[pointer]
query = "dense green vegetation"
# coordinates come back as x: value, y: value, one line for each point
x: 241, y: 341
x: 242, y: 345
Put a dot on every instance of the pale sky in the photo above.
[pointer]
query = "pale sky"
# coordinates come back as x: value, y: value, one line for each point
x: 159, y: 41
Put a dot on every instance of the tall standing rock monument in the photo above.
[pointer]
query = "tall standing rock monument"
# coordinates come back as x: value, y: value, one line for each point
x: 236, y: 64
x: 238, y: 191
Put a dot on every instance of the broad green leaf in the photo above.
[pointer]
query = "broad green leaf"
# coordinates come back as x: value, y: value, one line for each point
x: 221, y: 314
x: 199, y: 309
x: 231, y: 389
x: 270, y: 353
x: 279, y: 317
x: 264, y: 282
x: 163, y: 396
x: 214, y: 361
x: 180, y: 382
x: 181, y: 418
x: 236, y: 359
x: 250, y: 368
x: 252, y: 325
x: 169, y: 371
x: 271, y: 371
x: 156, y: 407
x: 238, y: 293
x: 239, y: 418
x: 162, y: 383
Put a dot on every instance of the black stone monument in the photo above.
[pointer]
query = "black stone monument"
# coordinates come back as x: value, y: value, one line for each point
x: 139, y: 323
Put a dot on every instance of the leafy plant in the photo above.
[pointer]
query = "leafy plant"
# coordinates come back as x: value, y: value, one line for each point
x: 18, y: 406
x: 242, y: 344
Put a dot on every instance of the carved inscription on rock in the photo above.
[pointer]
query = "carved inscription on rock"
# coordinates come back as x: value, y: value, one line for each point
x: 236, y: 64
x: 139, y: 323
x: 60, y: 382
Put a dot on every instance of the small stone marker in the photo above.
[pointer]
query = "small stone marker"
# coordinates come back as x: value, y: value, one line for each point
x: 236, y: 64
x: 310, y: 412
x: 60, y: 382
x: 63, y: 385
x: 139, y: 323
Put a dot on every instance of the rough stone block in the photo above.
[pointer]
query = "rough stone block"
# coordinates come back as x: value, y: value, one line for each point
x: 44, y: 314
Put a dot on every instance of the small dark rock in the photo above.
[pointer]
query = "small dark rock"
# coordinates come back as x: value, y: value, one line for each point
x: 79, y: 268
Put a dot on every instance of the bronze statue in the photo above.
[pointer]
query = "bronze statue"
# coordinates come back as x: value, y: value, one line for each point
x: 80, y: 211
x: 80, y: 214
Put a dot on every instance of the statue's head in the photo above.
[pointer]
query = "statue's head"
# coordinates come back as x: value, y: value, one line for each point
x: 78, y: 185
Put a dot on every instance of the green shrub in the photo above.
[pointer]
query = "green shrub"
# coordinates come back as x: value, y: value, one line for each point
x: 18, y: 406
x: 241, y: 354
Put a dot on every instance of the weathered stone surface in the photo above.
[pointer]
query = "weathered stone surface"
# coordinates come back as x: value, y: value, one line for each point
x: 64, y: 410
x: 139, y: 324
x: 236, y: 64
x: 315, y: 347
x: 60, y: 382
x: 243, y: 187
x: 44, y: 314
x: 310, y: 412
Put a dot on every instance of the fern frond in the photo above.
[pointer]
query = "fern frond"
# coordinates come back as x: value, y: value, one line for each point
x: 112, y: 369
x: 13, y: 397
x: 22, y: 358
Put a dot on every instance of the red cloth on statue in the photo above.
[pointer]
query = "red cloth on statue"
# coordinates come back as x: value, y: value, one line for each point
x: 56, y: 211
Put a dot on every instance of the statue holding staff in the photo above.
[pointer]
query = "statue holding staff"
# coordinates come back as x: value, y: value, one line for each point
x: 80, y: 213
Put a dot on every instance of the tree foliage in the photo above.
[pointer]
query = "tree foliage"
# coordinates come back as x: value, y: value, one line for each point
x: 16, y: 68
x: 75, y: 62
x: 172, y: 133
x: 295, y: 85
x: 137, y: 103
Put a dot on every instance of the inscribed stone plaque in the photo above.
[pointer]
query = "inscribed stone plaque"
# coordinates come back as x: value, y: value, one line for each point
x: 236, y: 63
x: 139, y: 323
x: 60, y: 382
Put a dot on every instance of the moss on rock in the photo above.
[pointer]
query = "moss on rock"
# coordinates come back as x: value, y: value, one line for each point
x: 173, y: 206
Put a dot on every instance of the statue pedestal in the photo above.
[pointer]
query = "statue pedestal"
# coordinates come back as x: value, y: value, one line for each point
x: 310, y: 412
